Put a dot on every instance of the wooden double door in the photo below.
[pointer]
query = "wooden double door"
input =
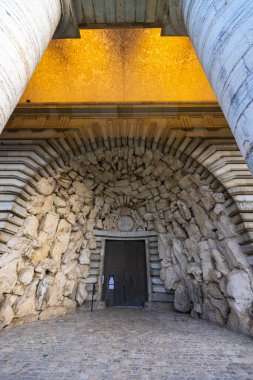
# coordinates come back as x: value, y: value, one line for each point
x: 125, y: 275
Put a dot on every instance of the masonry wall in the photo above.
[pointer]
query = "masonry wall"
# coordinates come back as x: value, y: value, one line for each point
x: 45, y: 269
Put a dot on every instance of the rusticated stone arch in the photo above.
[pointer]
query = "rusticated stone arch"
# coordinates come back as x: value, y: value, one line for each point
x: 45, y: 269
x: 218, y: 161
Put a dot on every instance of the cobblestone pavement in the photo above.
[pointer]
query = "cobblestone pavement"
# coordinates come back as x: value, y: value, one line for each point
x: 124, y: 344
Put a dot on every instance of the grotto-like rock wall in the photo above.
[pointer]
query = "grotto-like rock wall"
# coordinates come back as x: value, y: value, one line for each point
x: 44, y: 273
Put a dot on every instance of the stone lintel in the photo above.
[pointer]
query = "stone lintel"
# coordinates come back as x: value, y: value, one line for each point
x: 125, y: 235
x: 118, y: 110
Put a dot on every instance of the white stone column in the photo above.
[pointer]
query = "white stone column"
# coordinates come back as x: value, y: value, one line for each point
x: 26, y: 28
x: 222, y: 34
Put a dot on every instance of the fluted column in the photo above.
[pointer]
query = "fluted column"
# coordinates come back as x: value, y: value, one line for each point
x: 222, y: 34
x: 26, y: 28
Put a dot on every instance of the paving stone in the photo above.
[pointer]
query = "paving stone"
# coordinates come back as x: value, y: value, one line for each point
x: 124, y: 343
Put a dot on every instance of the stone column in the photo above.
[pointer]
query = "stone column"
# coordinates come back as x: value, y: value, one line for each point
x: 222, y: 34
x: 26, y: 28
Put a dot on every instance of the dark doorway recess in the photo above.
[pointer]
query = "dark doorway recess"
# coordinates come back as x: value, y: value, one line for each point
x: 125, y: 275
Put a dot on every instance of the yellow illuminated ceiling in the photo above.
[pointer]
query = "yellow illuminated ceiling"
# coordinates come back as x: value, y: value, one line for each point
x: 119, y: 65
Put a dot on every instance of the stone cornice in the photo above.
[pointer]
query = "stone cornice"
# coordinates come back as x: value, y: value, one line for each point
x: 199, y: 118
x: 116, y: 110
x: 145, y: 120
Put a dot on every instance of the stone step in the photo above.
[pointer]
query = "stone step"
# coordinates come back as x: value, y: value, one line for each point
x: 157, y: 281
x: 89, y: 287
x: 13, y: 208
x: 95, y: 258
x: 3, y: 247
x: 4, y: 216
x: 250, y: 260
x: 153, y: 251
x: 153, y: 239
x: 153, y: 246
x: 89, y: 297
x: 5, y: 236
x: 154, y: 258
x: 91, y: 280
x: 95, y: 251
x: 94, y: 264
x: 162, y: 297
x: 8, y: 227
x: 158, y: 289
x: 94, y: 272
x: 153, y: 242
x: 93, y: 275
x: 155, y: 265
x: 14, y: 198
x: 155, y: 272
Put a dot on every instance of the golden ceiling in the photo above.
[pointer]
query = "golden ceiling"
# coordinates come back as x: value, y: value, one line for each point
x: 119, y: 65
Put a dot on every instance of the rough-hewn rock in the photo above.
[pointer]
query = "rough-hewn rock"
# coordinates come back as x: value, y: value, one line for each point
x: 206, y: 260
x: 30, y: 227
x: 212, y: 313
x: 204, y: 222
x: 48, y: 267
x: 240, y: 300
x: 81, y: 293
x: 46, y: 186
x: 50, y: 224
x: 25, y: 276
x: 52, y: 312
x: 25, y: 305
x: 232, y: 253
x: 18, y: 246
x: 84, y: 257
x: 182, y: 300
x: 169, y: 276
x: 195, y: 292
x: 220, y: 262
x: 239, y: 289
x: 41, y: 253
x: 8, y: 277
x: 6, y: 312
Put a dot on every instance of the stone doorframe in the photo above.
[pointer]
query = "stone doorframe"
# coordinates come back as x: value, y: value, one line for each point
x: 118, y: 235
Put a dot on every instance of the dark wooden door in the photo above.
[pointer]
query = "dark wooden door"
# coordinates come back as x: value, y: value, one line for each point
x: 125, y: 277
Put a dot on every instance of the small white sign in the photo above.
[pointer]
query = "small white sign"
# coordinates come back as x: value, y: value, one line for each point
x: 111, y: 283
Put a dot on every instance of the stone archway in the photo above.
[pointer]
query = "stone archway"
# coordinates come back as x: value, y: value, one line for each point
x: 45, y: 269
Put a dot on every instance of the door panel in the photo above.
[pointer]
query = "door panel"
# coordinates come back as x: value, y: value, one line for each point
x: 119, y: 289
x: 125, y: 260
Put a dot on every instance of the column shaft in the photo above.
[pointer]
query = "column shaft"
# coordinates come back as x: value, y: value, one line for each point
x: 222, y: 34
x: 26, y: 28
